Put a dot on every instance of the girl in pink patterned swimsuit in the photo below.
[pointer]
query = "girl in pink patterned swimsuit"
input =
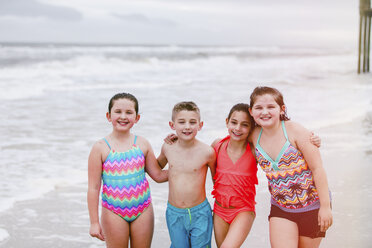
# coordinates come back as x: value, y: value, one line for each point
x: 119, y: 161
x: 300, y: 201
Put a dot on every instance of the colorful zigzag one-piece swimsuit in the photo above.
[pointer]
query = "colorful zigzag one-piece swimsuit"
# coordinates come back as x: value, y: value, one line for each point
x: 290, y: 180
x: 126, y: 190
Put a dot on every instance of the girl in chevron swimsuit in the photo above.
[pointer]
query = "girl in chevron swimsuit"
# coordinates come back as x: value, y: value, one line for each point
x: 119, y: 161
x: 300, y: 201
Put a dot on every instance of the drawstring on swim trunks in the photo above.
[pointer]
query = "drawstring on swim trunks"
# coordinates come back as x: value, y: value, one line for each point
x: 189, y: 214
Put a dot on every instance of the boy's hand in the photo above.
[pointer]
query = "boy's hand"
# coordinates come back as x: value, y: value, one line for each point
x: 96, y: 231
x: 315, y: 140
x: 170, y: 139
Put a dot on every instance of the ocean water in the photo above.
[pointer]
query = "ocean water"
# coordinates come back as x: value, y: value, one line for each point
x: 53, y: 100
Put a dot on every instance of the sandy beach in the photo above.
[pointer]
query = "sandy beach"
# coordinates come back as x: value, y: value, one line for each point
x: 60, y: 218
x: 61, y: 62
x: 55, y: 110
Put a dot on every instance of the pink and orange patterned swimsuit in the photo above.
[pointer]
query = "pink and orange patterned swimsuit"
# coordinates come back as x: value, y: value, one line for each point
x: 290, y: 180
x: 234, y: 187
x: 125, y: 191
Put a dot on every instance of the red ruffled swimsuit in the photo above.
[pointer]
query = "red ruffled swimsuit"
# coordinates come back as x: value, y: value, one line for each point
x: 234, y: 186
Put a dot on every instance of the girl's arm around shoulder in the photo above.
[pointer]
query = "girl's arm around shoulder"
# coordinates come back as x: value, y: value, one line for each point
x: 151, y: 164
x: 312, y: 156
x: 94, y: 186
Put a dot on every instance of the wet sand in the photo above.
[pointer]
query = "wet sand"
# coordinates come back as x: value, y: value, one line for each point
x: 60, y: 218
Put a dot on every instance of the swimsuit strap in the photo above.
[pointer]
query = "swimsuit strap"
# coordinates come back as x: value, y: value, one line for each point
x: 217, y: 147
x: 259, y: 137
x: 284, y: 130
x: 107, y: 143
x: 135, y: 139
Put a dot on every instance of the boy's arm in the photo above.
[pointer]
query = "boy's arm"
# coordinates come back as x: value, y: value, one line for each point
x: 162, y: 159
x: 314, y: 161
x: 94, y: 187
x: 212, y: 162
x: 152, y: 166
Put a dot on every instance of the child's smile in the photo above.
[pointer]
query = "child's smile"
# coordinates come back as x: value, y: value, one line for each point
x: 123, y: 114
x: 265, y: 110
x: 238, y: 125
x: 186, y: 124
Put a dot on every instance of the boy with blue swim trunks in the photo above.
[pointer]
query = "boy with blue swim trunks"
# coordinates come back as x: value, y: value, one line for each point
x: 188, y: 215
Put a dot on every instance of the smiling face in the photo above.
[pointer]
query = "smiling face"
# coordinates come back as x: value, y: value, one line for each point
x: 238, y: 125
x: 266, y: 111
x: 123, y: 114
x: 186, y: 124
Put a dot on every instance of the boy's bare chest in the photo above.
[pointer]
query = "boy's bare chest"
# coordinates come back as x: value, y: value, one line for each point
x: 185, y: 161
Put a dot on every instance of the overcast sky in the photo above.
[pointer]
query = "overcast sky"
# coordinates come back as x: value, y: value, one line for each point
x: 197, y: 22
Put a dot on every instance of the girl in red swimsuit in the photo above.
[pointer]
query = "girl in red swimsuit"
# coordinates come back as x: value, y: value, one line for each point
x: 235, y: 180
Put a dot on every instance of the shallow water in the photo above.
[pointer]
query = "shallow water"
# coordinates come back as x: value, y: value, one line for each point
x: 53, y: 101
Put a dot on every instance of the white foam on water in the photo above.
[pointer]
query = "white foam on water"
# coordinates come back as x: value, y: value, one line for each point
x: 55, y: 96
x: 4, y: 235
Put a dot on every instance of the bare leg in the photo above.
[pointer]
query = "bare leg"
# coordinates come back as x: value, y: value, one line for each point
x: 283, y: 239
x: 142, y: 229
x: 239, y: 230
x: 306, y: 242
x: 221, y: 228
x: 115, y: 229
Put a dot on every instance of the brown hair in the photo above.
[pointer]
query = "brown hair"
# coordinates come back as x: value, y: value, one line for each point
x: 242, y: 107
x: 127, y: 96
x: 278, y: 97
x: 188, y: 106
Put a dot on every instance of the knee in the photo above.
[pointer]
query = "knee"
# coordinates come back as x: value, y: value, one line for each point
x: 227, y: 244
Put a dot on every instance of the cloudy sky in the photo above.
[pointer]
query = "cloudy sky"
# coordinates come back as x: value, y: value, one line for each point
x: 196, y: 22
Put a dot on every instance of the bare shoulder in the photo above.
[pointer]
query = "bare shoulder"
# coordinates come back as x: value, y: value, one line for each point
x: 254, y: 135
x: 99, y: 151
x: 143, y: 143
x: 99, y: 146
x: 215, y: 142
x: 296, y: 128
x: 297, y: 133
x: 205, y: 148
x: 141, y: 140
x: 167, y: 146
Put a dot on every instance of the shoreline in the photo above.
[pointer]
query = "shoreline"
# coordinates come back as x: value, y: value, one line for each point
x: 60, y: 217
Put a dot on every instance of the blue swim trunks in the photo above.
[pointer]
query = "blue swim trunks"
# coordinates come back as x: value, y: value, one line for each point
x: 190, y: 227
